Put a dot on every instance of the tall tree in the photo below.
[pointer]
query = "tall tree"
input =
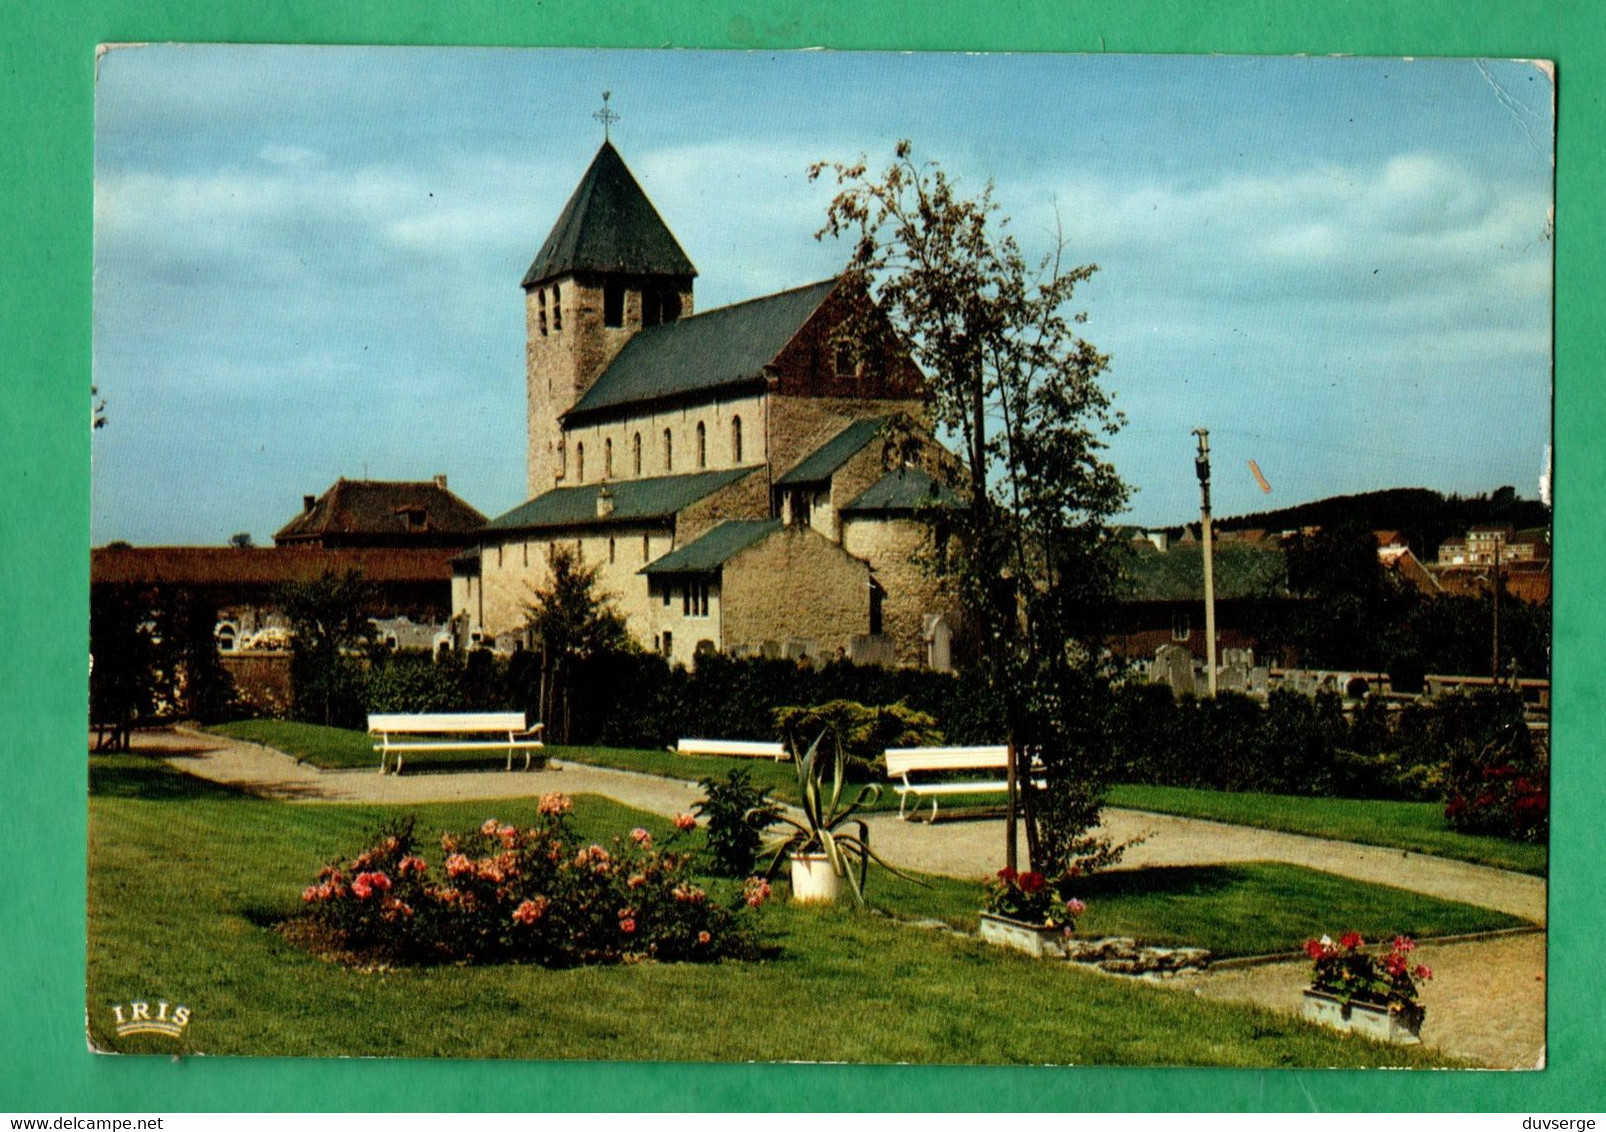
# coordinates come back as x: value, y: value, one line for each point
x: 330, y: 632
x: 570, y: 622
x: 1017, y: 387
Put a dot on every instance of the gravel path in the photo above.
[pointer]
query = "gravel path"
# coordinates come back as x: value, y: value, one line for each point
x: 1486, y: 1002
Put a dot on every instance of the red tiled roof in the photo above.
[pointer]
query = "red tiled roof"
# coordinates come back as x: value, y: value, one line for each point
x: 262, y: 566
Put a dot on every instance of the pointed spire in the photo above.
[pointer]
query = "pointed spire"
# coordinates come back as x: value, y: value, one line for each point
x: 609, y: 227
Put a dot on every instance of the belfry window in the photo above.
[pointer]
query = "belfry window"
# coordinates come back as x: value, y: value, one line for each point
x: 557, y: 308
x: 540, y: 312
x: 613, y: 304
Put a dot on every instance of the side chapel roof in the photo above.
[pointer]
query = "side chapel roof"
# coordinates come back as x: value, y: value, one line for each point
x: 658, y: 497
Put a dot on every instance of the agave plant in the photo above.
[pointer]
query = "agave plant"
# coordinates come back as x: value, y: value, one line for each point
x: 826, y: 822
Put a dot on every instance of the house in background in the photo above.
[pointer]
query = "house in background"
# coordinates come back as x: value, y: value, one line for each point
x: 399, y: 537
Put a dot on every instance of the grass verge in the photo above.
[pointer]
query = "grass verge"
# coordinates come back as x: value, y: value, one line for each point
x: 1416, y: 826
x: 187, y: 878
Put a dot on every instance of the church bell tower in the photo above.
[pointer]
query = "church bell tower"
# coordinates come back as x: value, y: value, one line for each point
x: 609, y: 268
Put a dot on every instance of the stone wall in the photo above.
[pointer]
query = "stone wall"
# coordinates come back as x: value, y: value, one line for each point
x: 795, y: 585
x: 561, y: 364
x: 716, y: 417
x: 512, y: 571
x: 799, y: 425
x: 897, y: 549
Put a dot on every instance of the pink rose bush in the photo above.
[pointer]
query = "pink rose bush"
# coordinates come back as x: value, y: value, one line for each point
x: 534, y: 894
x: 1350, y: 974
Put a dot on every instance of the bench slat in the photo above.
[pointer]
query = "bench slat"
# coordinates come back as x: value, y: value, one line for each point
x: 487, y: 745
x: 730, y: 747
x: 901, y: 760
x: 447, y: 723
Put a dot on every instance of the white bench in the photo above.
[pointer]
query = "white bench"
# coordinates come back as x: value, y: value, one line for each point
x: 904, y: 761
x: 442, y: 732
x: 741, y: 748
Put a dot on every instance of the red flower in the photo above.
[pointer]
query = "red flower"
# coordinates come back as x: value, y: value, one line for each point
x: 1314, y: 948
x: 1032, y: 882
x: 1007, y: 875
x: 1350, y: 940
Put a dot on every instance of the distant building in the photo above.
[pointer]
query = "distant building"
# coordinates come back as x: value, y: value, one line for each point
x: 1162, y: 596
x: 375, y: 513
x: 1467, y: 565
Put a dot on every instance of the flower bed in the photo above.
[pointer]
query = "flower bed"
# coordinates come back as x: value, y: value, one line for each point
x: 536, y: 894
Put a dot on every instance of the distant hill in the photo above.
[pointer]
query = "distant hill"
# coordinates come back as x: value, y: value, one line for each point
x: 1424, y: 517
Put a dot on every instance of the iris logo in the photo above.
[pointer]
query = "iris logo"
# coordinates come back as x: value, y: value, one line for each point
x: 136, y: 1018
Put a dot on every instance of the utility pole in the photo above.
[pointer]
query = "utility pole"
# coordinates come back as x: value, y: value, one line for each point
x: 1495, y: 669
x: 1201, y: 465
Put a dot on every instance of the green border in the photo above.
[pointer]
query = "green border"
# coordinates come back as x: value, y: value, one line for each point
x: 46, y: 67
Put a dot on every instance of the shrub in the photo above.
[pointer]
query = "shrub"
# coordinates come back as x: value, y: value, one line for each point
x: 538, y: 894
x: 1497, y: 781
x: 737, y: 813
x: 413, y: 683
x: 863, y: 732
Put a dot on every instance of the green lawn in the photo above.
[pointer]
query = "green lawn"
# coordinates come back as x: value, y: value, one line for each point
x: 1417, y: 826
x: 1260, y: 908
x: 187, y: 879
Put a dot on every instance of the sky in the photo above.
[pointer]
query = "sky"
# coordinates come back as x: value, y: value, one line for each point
x: 307, y: 259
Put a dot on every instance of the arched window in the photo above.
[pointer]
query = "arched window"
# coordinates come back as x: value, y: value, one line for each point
x: 635, y: 453
x: 645, y: 549
x: 736, y: 440
x: 579, y: 463
x: 557, y: 308
x: 669, y: 451
x: 563, y: 459
x: 612, y: 549
x: 702, y: 445
x: 540, y: 311
x: 607, y: 459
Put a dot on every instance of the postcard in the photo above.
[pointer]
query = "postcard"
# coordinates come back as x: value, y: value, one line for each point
x: 796, y: 557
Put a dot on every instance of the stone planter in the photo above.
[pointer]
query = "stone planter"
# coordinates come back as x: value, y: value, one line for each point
x: 814, y: 881
x: 1034, y: 939
x: 1402, y: 1027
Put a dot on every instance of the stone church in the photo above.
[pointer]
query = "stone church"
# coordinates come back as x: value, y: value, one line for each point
x: 729, y: 473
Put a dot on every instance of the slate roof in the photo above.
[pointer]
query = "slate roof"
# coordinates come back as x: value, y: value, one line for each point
x: 900, y: 490
x: 1242, y: 570
x: 609, y: 225
x: 354, y: 509
x: 713, y: 549
x: 826, y: 459
x: 724, y: 347
x: 658, y: 497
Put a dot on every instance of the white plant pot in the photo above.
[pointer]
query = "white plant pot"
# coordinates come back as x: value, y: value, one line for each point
x: 1402, y: 1027
x: 814, y: 881
x: 1034, y: 939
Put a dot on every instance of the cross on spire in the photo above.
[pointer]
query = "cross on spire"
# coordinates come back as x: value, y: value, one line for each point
x: 605, y: 116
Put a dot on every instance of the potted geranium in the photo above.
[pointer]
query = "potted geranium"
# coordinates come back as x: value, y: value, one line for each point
x: 1025, y: 912
x: 829, y: 843
x: 1375, y: 995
